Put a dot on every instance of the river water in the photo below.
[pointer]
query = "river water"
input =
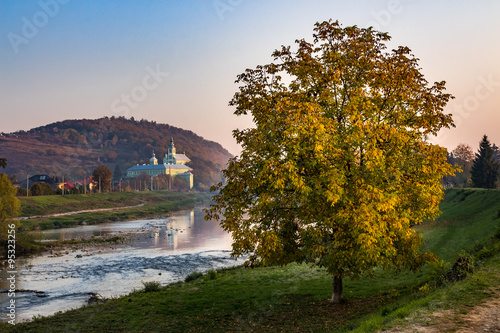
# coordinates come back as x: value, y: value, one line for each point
x: 163, y: 250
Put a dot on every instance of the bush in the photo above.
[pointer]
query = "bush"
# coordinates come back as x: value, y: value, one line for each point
x: 439, y: 272
x: 462, y: 266
x: 211, y: 275
x: 21, y: 192
x: 151, y: 286
x: 38, y: 189
x: 193, y: 276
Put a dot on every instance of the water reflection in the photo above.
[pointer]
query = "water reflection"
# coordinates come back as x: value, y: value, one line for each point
x: 166, y: 251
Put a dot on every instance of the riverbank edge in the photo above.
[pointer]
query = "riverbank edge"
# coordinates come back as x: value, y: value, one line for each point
x: 154, y: 204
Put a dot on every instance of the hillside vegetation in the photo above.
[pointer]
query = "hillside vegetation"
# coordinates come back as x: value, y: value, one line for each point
x: 295, y: 297
x: 72, y: 147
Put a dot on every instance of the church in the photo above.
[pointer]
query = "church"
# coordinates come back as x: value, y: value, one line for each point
x: 173, y: 164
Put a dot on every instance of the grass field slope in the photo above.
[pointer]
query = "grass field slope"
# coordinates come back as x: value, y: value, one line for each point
x: 295, y: 298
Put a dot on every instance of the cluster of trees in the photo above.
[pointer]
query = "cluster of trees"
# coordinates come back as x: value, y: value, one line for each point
x: 479, y: 170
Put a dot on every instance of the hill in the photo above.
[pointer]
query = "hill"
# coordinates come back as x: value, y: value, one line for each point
x: 73, y: 147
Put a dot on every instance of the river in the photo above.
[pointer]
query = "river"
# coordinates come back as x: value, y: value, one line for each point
x: 163, y: 250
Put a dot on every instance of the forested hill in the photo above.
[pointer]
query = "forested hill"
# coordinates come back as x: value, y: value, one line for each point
x: 72, y: 147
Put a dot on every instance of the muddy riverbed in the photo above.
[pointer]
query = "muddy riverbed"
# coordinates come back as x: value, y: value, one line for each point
x: 164, y: 250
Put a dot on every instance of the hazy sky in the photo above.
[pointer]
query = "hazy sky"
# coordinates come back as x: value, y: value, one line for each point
x: 176, y: 62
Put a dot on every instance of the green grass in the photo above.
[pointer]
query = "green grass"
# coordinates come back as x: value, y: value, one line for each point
x: 157, y: 203
x: 296, y: 297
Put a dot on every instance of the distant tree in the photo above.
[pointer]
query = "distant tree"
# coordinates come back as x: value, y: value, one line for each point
x: 496, y: 153
x: 9, y: 205
x: 21, y: 192
x: 117, y: 174
x: 462, y: 155
x: 111, y: 155
x: 71, y: 135
x: 163, y: 181
x: 143, y: 181
x: 101, y: 176
x: 484, y: 172
x: 179, y: 184
x: 338, y: 166
x: 38, y: 189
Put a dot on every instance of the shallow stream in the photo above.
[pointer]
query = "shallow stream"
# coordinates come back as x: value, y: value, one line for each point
x: 164, y: 250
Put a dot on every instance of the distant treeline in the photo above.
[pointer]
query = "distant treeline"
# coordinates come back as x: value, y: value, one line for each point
x: 480, y: 169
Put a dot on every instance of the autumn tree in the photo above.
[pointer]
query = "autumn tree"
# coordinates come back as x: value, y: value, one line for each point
x: 338, y: 167
x: 142, y: 182
x: 101, y: 178
x: 484, y: 172
x: 38, y: 189
x: 9, y: 205
x: 462, y: 155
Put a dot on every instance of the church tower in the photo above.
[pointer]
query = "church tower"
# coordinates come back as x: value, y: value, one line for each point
x: 171, y: 148
x: 170, y: 157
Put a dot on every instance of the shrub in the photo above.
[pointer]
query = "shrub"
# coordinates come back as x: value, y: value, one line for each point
x: 439, y: 272
x: 462, y: 266
x: 193, y: 276
x: 211, y: 275
x: 151, y: 286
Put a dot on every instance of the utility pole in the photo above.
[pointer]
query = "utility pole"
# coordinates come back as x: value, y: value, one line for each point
x: 63, y: 184
x: 27, y: 184
x: 99, y: 184
x: 84, y: 182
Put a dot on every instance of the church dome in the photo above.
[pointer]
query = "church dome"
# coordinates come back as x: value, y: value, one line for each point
x: 153, y: 160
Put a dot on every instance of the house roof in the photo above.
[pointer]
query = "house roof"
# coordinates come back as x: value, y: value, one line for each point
x: 39, y: 179
x: 160, y: 167
x: 182, y: 157
x: 82, y: 181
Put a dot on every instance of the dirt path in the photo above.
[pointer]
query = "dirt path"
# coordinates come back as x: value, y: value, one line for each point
x: 80, y: 211
x: 484, y: 317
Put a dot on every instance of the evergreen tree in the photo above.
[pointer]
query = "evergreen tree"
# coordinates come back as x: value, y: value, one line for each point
x: 484, y: 172
x: 117, y: 174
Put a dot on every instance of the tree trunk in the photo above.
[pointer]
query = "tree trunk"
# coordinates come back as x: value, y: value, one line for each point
x: 337, y: 289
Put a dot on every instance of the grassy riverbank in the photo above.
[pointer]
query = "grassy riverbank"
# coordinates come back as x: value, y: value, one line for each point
x: 296, y: 297
x: 128, y: 205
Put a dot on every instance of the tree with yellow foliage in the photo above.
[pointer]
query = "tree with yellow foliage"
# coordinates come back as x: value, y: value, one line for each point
x: 9, y: 205
x: 338, y: 167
